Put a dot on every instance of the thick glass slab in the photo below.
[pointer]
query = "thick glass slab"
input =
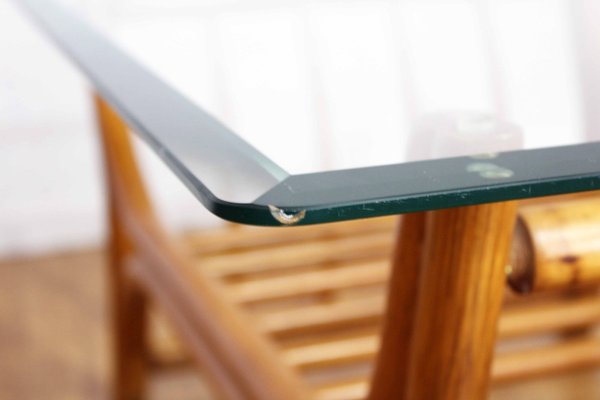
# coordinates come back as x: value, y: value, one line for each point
x: 297, y: 112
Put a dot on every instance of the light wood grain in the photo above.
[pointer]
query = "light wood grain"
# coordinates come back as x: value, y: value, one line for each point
x: 393, y: 361
x: 458, y: 301
x: 127, y: 300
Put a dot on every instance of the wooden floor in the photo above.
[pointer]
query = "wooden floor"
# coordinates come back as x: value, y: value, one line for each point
x: 54, y: 343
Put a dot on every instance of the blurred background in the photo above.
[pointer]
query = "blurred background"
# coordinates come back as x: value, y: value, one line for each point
x: 313, y: 84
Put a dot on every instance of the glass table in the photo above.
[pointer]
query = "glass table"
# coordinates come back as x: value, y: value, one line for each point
x: 384, y: 136
x: 305, y: 112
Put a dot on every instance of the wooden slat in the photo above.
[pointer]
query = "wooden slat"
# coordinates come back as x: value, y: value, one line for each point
x: 353, y: 390
x: 331, y: 353
x: 553, y: 359
x: 564, y: 356
x: 312, y: 318
x: 353, y: 275
x: 517, y: 322
x: 554, y: 316
x: 239, y: 238
x: 299, y: 254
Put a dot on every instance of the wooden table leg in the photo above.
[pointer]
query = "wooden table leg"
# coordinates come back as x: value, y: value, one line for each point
x: 391, y: 365
x: 443, y: 305
x: 128, y: 302
x: 128, y: 306
x: 460, y: 293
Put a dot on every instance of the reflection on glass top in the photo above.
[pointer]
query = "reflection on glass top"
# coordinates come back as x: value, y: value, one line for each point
x: 323, y: 85
x: 304, y: 90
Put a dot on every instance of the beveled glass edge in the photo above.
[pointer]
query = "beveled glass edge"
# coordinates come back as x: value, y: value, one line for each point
x: 164, y: 118
x: 438, y: 184
x: 334, y: 195
x: 365, y: 192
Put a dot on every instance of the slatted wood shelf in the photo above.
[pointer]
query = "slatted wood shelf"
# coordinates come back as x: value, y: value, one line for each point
x: 318, y: 294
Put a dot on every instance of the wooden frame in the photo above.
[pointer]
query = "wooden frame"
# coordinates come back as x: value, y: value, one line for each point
x: 445, y: 298
x: 438, y: 286
x: 239, y: 363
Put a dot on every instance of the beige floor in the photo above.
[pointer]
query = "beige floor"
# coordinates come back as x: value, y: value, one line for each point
x: 53, y: 340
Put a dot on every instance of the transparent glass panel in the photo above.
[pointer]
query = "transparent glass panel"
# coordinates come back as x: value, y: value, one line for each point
x: 324, y: 85
x: 288, y: 112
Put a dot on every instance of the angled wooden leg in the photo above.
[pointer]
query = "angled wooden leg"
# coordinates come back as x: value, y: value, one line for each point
x: 128, y: 303
x: 459, y: 298
x: 444, y: 300
x: 391, y: 367
x: 128, y: 307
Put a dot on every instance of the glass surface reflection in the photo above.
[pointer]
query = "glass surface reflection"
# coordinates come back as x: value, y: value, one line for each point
x: 323, y: 85
x: 318, y: 105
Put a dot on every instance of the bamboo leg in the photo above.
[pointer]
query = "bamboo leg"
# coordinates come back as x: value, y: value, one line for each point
x: 459, y: 298
x: 391, y: 371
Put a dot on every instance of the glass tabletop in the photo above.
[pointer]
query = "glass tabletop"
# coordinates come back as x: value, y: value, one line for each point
x: 298, y: 112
